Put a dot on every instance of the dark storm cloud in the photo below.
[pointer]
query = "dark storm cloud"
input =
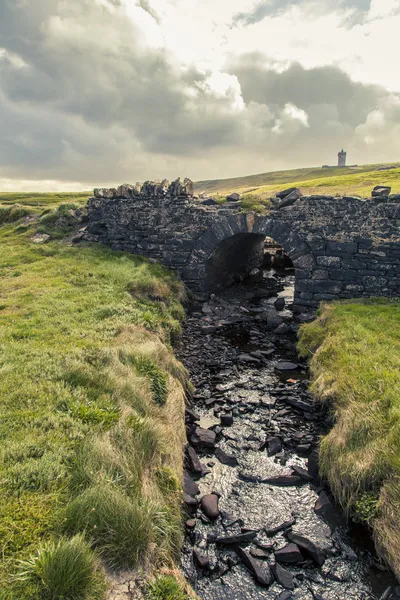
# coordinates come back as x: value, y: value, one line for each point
x: 84, y: 98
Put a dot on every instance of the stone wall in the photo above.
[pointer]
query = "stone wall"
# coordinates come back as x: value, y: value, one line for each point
x: 340, y: 247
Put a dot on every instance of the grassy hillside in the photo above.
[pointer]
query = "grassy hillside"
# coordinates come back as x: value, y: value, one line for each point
x: 355, y: 366
x: 92, y: 408
x: 257, y: 189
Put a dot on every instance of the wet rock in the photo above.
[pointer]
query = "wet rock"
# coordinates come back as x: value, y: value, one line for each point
x: 312, y: 464
x: 282, y: 329
x: 323, y: 506
x: 303, y: 448
x: 284, y: 480
x: 283, y: 527
x: 206, y: 329
x: 302, y: 473
x: 299, y: 404
x: 233, y: 540
x: 201, y: 559
x: 190, y: 487
x: 227, y: 420
x: 191, y: 415
x: 190, y: 501
x: 194, y: 461
x: 203, y: 437
x: 274, y: 445
x: 226, y: 459
x: 260, y: 571
x: 289, y: 554
x: 259, y: 553
x: 308, y: 547
x: 248, y: 477
x: 285, y: 596
x: 279, y: 303
x: 209, y: 506
x: 283, y: 577
x: 273, y: 319
x: 286, y: 366
x: 246, y: 358
x: 191, y: 523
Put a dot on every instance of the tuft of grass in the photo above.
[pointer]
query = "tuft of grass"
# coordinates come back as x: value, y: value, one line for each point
x: 355, y: 366
x: 66, y: 569
x: 165, y: 587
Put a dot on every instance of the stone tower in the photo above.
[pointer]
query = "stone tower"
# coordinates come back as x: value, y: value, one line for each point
x: 342, y: 158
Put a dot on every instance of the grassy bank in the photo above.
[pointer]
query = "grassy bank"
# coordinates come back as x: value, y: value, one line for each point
x: 257, y: 189
x: 92, y: 404
x: 355, y: 366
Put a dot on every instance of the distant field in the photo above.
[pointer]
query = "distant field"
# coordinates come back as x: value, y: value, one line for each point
x: 334, y: 181
x: 40, y: 201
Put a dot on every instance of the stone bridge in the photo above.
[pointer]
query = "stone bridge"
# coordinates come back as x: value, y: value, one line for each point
x: 340, y: 247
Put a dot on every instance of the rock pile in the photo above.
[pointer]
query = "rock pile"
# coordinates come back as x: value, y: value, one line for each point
x: 149, y: 189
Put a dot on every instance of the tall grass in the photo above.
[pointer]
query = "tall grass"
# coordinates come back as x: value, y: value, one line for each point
x: 63, y: 570
x: 355, y: 366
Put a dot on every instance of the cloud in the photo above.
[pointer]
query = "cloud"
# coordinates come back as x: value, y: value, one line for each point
x: 98, y: 92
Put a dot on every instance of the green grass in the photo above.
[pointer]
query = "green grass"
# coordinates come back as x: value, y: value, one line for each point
x: 166, y: 587
x: 355, y: 366
x: 92, y: 407
x: 257, y: 189
x: 63, y: 569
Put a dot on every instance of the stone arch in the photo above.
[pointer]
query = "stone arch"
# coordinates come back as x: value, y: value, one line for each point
x: 233, y: 228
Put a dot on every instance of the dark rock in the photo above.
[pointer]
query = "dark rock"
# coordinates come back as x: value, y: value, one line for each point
x: 259, y: 553
x: 284, y: 577
x: 191, y: 523
x: 290, y: 554
x: 282, y: 329
x: 206, y: 329
x: 204, y: 437
x: 201, y: 559
x: 209, y: 202
x: 279, y: 303
x: 260, y: 571
x: 191, y: 415
x: 226, y: 459
x: 308, y: 547
x: 286, y: 193
x: 303, y: 448
x: 274, y: 445
x: 240, y: 538
x: 209, y: 506
x: 233, y: 197
x: 189, y: 500
x: 312, y: 464
x: 283, y: 527
x: 190, y: 487
x: 227, y: 420
x: 286, y: 366
x: 285, y: 596
x: 381, y: 190
x: 194, y: 461
x: 284, y: 480
x: 302, y: 473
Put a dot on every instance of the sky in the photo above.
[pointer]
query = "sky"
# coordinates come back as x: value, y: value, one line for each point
x: 103, y: 92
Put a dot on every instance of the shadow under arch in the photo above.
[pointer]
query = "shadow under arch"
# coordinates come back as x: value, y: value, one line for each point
x: 237, y: 241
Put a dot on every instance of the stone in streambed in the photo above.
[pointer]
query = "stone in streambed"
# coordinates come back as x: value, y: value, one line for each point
x: 284, y: 480
x: 284, y: 577
x: 201, y: 559
x: 283, y: 527
x: 226, y: 459
x: 285, y: 596
x: 290, y: 554
x: 203, y: 437
x: 240, y: 538
x: 259, y: 553
x: 286, y: 366
x: 209, y: 506
x: 227, y: 420
x: 308, y: 547
x: 194, y: 461
x: 274, y: 446
x: 260, y: 571
x: 190, y: 487
x: 279, y: 303
x: 302, y: 473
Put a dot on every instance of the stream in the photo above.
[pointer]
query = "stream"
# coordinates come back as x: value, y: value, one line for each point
x: 260, y: 524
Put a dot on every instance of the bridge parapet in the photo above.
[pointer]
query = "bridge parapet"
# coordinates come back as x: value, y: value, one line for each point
x: 341, y: 247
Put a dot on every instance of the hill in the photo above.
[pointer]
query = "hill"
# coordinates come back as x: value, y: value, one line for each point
x: 329, y: 180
